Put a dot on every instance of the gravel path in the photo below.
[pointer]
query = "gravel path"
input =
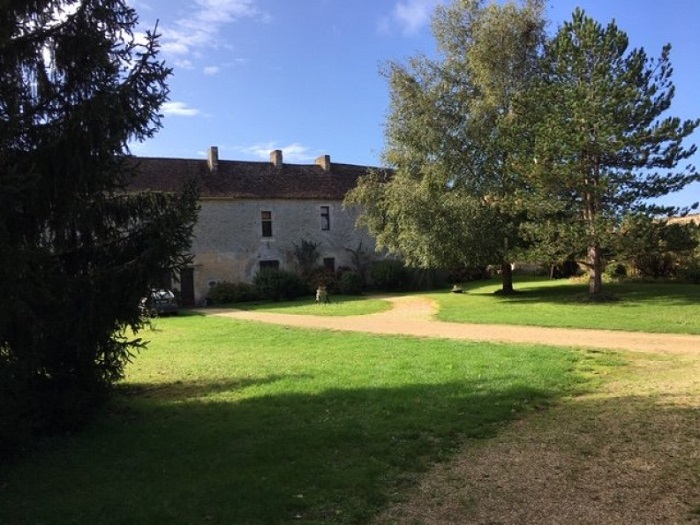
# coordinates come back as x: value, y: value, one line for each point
x: 626, y: 453
x: 414, y: 316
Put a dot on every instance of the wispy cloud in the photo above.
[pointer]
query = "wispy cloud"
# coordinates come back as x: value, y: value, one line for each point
x: 295, y: 152
x: 211, y: 70
x: 410, y: 16
x: 178, y: 109
x: 201, y: 27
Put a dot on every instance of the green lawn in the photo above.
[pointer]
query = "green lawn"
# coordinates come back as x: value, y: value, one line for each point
x: 222, y: 421
x: 339, y: 305
x: 645, y: 307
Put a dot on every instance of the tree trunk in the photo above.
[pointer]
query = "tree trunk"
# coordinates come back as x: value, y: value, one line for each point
x: 507, y: 273
x: 595, y: 272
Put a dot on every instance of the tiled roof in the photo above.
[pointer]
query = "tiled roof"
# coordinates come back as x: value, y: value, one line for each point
x: 248, y: 180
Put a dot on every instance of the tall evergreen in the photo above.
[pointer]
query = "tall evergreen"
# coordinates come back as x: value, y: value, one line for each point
x: 602, y: 146
x: 77, y: 250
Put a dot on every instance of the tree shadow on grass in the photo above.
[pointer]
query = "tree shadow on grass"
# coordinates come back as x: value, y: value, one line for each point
x: 330, y: 457
x: 627, y: 459
x: 187, y: 390
x: 628, y: 294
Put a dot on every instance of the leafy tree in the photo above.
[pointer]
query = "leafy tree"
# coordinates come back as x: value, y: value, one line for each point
x: 601, y: 147
x: 448, y: 201
x: 657, y: 249
x: 77, y: 250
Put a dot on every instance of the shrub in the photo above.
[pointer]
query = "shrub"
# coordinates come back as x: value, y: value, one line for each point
x: 565, y: 269
x: 616, y: 271
x: 390, y: 275
x: 691, y: 272
x: 655, y: 265
x: 322, y: 277
x: 225, y: 292
x: 465, y: 274
x: 306, y: 255
x: 276, y: 284
x: 350, y: 283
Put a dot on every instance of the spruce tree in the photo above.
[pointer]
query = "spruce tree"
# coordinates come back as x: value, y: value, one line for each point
x: 77, y: 249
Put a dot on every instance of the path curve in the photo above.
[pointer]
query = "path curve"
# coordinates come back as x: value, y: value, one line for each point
x: 414, y: 316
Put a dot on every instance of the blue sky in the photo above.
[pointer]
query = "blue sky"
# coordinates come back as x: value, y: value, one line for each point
x: 303, y: 76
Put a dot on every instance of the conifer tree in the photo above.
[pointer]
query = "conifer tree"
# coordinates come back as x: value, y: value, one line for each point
x: 77, y: 250
x: 602, y: 146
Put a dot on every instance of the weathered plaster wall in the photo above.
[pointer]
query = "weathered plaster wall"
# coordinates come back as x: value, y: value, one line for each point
x: 228, y: 244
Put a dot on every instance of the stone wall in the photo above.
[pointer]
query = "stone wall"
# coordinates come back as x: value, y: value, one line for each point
x: 229, y: 245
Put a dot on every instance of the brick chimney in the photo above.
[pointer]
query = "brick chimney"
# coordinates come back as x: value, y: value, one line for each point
x: 276, y: 158
x: 213, y: 159
x: 325, y: 162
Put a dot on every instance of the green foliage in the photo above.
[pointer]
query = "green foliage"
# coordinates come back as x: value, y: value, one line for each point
x: 690, y: 272
x: 306, y: 254
x: 277, y: 284
x: 564, y: 270
x: 447, y: 202
x: 602, y: 146
x: 350, y: 283
x: 225, y: 292
x: 77, y: 252
x: 390, y: 275
x: 616, y: 271
x: 657, y: 249
x: 361, y: 260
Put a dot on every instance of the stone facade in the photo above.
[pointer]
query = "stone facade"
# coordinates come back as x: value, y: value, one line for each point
x: 229, y: 244
x: 252, y: 214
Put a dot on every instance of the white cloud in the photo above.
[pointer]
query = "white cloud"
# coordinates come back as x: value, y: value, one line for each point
x: 211, y: 70
x: 201, y: 27
x: 178, y: 109
x: 409, y: 15
x: 295, y: 152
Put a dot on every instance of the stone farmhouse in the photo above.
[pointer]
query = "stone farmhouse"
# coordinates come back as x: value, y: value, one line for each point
x: 254, y: 213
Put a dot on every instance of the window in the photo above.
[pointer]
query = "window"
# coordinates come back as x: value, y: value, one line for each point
x: 329, y: 264
x: 269, y: 265
x: 266, y: 217
x: 325, y: 218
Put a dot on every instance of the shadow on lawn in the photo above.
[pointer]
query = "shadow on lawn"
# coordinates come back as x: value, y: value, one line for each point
x: 184, y: 390
x: 629, y: 294
x: 332, y: 457
x: 630, y: 459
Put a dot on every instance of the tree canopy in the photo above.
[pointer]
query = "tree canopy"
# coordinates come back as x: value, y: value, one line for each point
x: 512, y: 143
x: 602, y: 146
x: 448, y: 138
x: 77, y: 249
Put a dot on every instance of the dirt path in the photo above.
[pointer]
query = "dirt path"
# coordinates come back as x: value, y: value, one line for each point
x: 626, y: 453
x: 414, y: 316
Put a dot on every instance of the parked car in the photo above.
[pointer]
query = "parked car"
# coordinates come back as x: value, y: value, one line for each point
x: 159, y: 302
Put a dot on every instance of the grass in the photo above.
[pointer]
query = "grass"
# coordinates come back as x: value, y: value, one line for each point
x: 340, y: 305
x: 221, y: 421
x: 626, y: 452
x: 645, y: 307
